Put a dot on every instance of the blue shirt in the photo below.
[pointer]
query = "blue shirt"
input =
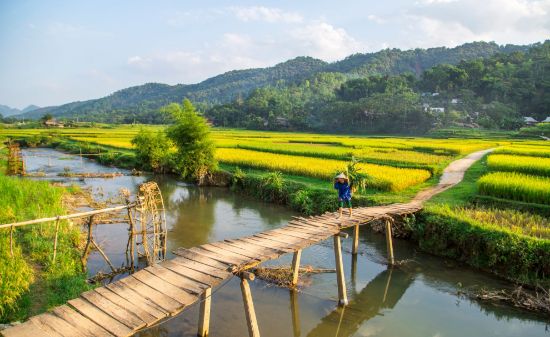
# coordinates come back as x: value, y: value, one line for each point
x: 344, y: 191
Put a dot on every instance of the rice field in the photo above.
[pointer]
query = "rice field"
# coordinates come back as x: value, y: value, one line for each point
x: 525, y: 150
x: 384, y: 178
x: 515, y: 186
x: 523, y: 164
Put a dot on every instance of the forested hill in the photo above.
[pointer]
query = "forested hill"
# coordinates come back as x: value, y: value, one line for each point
x: 141, y: 103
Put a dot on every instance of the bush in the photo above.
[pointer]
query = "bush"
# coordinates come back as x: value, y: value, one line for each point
x: 153, y: 150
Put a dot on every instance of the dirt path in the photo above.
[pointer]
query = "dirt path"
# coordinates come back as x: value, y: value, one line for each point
x: 452, y: 175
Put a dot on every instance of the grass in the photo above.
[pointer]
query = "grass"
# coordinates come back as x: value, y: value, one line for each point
x: 30, y: 283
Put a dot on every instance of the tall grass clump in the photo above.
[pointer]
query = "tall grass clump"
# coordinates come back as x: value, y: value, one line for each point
x: 30, y: 282
x: 515, y: 186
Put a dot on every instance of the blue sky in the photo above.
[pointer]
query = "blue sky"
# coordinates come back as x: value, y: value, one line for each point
x: 53, y: 52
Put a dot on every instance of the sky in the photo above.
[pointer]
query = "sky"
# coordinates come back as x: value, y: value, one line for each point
x: 54, y: 52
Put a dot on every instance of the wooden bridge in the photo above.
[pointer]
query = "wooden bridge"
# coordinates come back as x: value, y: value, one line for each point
x: 162, y: 290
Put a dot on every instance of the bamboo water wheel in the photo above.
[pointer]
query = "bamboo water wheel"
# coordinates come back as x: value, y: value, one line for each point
x: 150, y: 220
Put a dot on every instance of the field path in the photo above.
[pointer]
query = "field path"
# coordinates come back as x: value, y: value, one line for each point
x: 452, y: 175
x: 157, y: 292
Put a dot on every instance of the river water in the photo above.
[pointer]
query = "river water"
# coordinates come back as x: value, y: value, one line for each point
x: 420, y: 298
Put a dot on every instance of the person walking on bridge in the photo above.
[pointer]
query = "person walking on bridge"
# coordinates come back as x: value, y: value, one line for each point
x: 341, y: 183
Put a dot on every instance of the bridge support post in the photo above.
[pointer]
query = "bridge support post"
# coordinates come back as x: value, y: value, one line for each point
x: 296, y: 266
x: 340, y: 278
x: 250, y: 313
x: 389, y: 243
x: 355, y: 247
x: 204, y: 314
x: 295, y: 311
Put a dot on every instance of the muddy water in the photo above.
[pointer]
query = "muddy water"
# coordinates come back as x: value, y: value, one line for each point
x: 419, y: 299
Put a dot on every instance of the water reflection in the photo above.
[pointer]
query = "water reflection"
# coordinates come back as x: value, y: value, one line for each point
x: 383, y: 292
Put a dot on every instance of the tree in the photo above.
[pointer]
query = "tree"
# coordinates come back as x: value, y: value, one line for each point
x: 154, y: 150
x: 46, y: 117
x: 191, y: 135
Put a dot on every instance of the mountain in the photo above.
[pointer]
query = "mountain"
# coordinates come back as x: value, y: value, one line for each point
x: 6, y: 111
x: 30, y: 108
x: 141, y: 103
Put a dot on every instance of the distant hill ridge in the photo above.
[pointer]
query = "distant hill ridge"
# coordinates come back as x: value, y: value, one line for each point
x: 7, y: 111
x: 141, y: 103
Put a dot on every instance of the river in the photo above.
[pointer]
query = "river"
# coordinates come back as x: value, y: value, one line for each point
x: 420, y: 298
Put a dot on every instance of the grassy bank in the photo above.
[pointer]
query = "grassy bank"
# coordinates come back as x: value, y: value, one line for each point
x: 30, y: 282
x: 512, y: 241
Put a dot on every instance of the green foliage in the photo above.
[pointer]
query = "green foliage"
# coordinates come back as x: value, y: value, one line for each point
x: 272, y: 187
x: 30, y: 283
x: 357, y: 179
x: 440, y: 230
x: 154, y: 150
x: 191, y: 135
x: 301, y: 200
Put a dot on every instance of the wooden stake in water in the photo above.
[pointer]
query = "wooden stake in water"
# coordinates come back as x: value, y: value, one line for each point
x: 296, y: 266
x: 250, y: 313
x: 389, y: 243
x: 204, y: 312
x: 340, y: 278
x: 355, y: 247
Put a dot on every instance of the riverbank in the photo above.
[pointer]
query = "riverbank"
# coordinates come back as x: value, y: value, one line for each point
x: 31, y: 282
x: 439, y: 229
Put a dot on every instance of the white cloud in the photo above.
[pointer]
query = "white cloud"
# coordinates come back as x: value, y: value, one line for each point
x: 445, y: 22
x: 376, y: 19
x: 324, y: 41
x: 266, y: 14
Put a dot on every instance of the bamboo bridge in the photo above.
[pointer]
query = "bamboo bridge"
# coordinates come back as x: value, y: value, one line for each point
x: 164, y: 289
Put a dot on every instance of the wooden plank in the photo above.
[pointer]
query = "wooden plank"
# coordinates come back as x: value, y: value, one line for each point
x: 166, y: 302
x: 256, y: 248
x: 26, y: 329
x: 313, y: 231
x: 164, y: 287
x: 293, y: 246
x: 45, y: 328
x: 177, y: 280
x: 295, y: 239
x: 267, y: 243
x: 201, y: 259
x: 60, y: 326
x: 191, y: 273
x: 120, y: 314
x: 201, y: 267
x: 296, y: 234
x: 248, y: 253
x: 226, y: 252
x: 142, y: 302
x: 75, y: 319
x: 143, y: 315
x: 101, y: 318
x: 228, y: 259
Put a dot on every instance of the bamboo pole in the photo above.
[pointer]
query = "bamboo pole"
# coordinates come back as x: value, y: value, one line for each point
x: 65, y: 217
x: 113, y: 269
x: 250, y: 313
x: 355, y: 248
x: 55, y: 240
x: 295, y: 311
x: 204, y: 312
x: 389, y: 243
x: 11, y: 241
x: 340, y: 278
x: 296, y: 266
x: 87, y: 248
